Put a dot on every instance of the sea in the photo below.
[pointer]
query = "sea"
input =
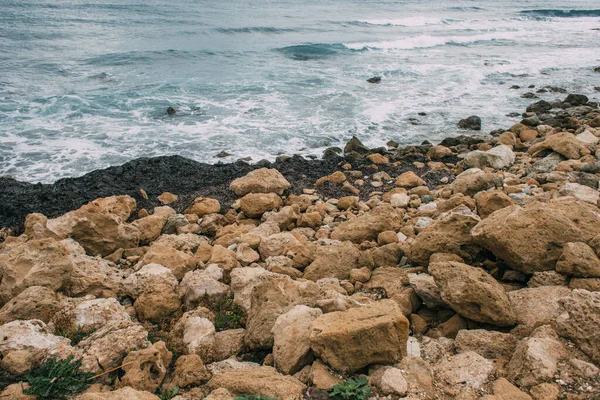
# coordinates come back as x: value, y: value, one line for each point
x: 86, y: 84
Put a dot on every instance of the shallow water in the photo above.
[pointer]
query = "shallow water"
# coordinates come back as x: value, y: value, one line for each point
x: 86, y: 85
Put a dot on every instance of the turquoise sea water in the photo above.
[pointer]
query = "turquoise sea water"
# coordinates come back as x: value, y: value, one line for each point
x: 85, y: 85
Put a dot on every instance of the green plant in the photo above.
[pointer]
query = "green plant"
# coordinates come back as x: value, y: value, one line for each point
x: 352, y: 389
x: 75, y: 333
x: 168, y: 395
x: 254, y: 397
x: 227, y: 315
x: 57, y: 379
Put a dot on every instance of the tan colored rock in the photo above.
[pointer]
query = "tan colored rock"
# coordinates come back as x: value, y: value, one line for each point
x: 167, y: 198
x: 310, y: 220
x: 243, y: 281
x: 16, y: 391
x: 369, y: 225
x: 149, y: 278
x: 35, y: 302
x: 490, y: 201
x: 246, y: 255
x: 464, y: 372
x: 393, y: 382
x: 322, y: 378
x: 387, y: 237
x: 291, y: 332
x: 425, y: 287
x: 389, y: 255
x: 333, y: 261
x: 451, y: 233
x: 348, y: 202
x: 177, y: 261
x: 537, y: 306
x: 42, y: 262
x: 352, y: 339
x: 197, y: 335
x: 200, y: 286
x: 581, y: 192
x: 488, y: 344
x: 393, y: 282
x: 336, y: 177
x: 545, y: 391
x: 504, y: 390
x: 438, y: 152
x: 527, y: 135
x: 256, y: 204
x: 145, y: 369
x: 409, y: 179
x: 203, y: 206
x: 475, y: 180
x: 92, y: 315
x: 189, y: 371
x: 508, y: 139
x: 261, y: 180
x: 580, y: 320
x: 498, y: 157
x: 473, y: 293
x: 228, y: 343
x: 564, y: 143
x: 151, y: 226
x: 263, y: 380
x: 158, y: 306
x: 220, y: 394
x: 126, y: 393
x: 530, y: 238
x: 580, y: 260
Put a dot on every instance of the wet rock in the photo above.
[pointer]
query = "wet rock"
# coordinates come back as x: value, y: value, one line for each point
x: 472, y: 123
x: 352, y: 339
x: 145, y: 369
x: 541, y: 106
x: 261, y: 180
x: 355, y: 146
x: 375, y: 79
x: 369, y: 225
x: 576, y: 100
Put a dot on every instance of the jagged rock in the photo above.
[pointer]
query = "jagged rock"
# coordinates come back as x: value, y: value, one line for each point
x: 16, y: 391
x: 333, y: 261
x: 243, y: 281
x: 530, y: 238
x: 475, y: 180
x: 145, y: 369
x: 355, y: 145
x: 547, y: 278
x: 504, y: 390
x: 488, y: 344
x: 352, y: 339
x: 149, y: 278
x: 197, y: 335
x: 580, y: 320
x: 200, y: 286
x: 42, y: 262
x: 490, y: 201
x: 498, y: 158
x: 581, y: 192
x: 126, y: 393
x: 256, y: 204
x: 564, y: 143
x: 177, y: 261
x: 369, y: 225
x: 409, y: 179
x: 464, y: 372
x: 228, y: 343
x: 291, y: 332
x: 393, y: 382
x: 261, y: 180
x: 472, y: 293
x: 262, y: 380
x: 151, y: 226
x: 157, y: 306
x: 537, y: 306
x: 92, y: 315
x: 35, y: 302
x: 472, y: 123
x: 203, y: 206
x: 580, y: 260
x: 425, y: 287
x: 189, y: 371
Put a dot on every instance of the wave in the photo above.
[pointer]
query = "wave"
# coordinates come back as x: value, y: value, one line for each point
x: 412, y: 21
x: 134, y: 57
x: 314, y: 51
x: 255, y: 29
x: 426, y: 41
x: 562, y: 13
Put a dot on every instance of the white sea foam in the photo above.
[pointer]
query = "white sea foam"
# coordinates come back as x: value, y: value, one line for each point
x: 410, y: 21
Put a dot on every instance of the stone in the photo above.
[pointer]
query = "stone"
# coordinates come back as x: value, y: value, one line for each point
x: 472, y: 293
x: 547, y: 278
x: 450, y: 233
x: 198, y: 335
x: 580, y: 320
x: 425, y: 287
x: 527, y: 135
x: 92, y: 315
x: 126, y: 393
x: 310, y: 220
x: 149, y: 278
x: 291, y: 335
x: 189, y: 371
x: 199, y: 286
x: 177, y: 261
x: 256, y: 204
x: 580, y: 260
x: 564, y: 143
x: 355, y: 145
x: 393, y: 382
x: 400, y: 200
x: 490, y: 201
x: 150, y: 227
x: 369, y: 225
x: 475, y: 180
x: 387, y: 237
x: 504, y: 390
x: 464, y: 372
x: 488, y: 344
x: 537, y: 306
x: 243, y: 281
x: 409, y: 179
x: 16, y: 392
x: 167, y: 198
x: 348, y: 202
x: 472, y: 123
x: 262, y: 380
x: 263, y: 180
x: 545, y: 391
x: 35, y: 302
x: 43, y: 262
x: 203, y: 206
x: 333, y: 261
x: 350, y: 340
x: 499, y: 157
x: 377, y: 158
x: 438, y: 152
x: 530, y: 238
x: 581, y: 192
x: 220, y: 394
x: 229, y: 343
x: 145, y: 369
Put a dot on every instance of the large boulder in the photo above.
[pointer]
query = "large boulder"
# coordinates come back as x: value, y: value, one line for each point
x: 472, y: 293
x: 350, y: 340
x: 263, y: 180
x: 450, y: 233
x: 256, y: 381
x: 291, y: 348
x: 472, y: 123
x: 256, y: 204
x: 580, y: 321
x: 564, y: 143
x: 531, y: 238
x: 497, y: 158
x: 43, y: 262
x: 537, y: 306
x: 333, y: 261
x: 177, y: 261
x: 369, y: 225
x: 475, y: 180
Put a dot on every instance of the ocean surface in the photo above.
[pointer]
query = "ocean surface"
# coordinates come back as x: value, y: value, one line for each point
x: 86, y: 84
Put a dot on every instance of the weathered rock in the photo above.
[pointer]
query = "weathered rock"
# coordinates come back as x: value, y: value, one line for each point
x: 537, y: 306
x: 256, y: 204
x: 580, y: 320
x: 409, y: 179
x: 16, y: 391
x: 151, y: 226
x: 158, y: 306
x: 197, y: 335
x: 42, y: 262
x: 488, y: 344
x: 177, y: 261
x: 189, y: 371
x: 263, y: 380
x: 199, y: 286
x: 352, y: 339
x: 261, y: 180
x: 93, y: 314
x: 228, y: 343
x: 439, y: 152
x: 581, y: 192
x: 464, y: 372
x: 472, y: 293
x: 425, y: 287
x: 393, y: 281
x: 333, y: 261
x: 530, y: 238
x: 498, y: 158
x: 369, y: 225
x: 393, y: 382
x: 145, y: 369
x: 564, y: 143
x: 243, y: 281
x: 547, y: 278
x: 203, y: 206
x: 291, y: 332
x: 35, y: 302
x: 580, y: 260
x: 149, y: 278
x: 490, y: 201
x: 504, y: 390
x: 126, y: 393
x: 475, y: 180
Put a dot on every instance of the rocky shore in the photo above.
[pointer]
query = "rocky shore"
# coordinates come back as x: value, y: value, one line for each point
x: 465, y: 270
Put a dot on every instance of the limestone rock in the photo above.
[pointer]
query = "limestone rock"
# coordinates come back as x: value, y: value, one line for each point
x: 291, y: 332
x: 243, y: 281
x: 145, y: 369
x: 203, y: 206
x: 581, y: 192
x: 263, y: 380
x: 198, y: 286
x: 464, y: 372
x: 409, y: 179
x: 177, y: 261
x: 189, y: 371
x: 488, y: 344
x: 580, y: 260
x: 537, y: 306
x: 564, y: 143
x: 35, y: 302
x: 157, y: 306
x: 256, y: 204
x: 261, y: 180
x: 151, y: 226
x: 580, y: 320
x: 497, y: 158
x: 475, y: 180
x: 530, y: 238
x: 425, y: 287
x: 393, y: 382
x: 473, y: 293
x: 504, y: 390
x: 490, y: 201
x: 352, y: 339
x: 93, y: 314
x: 369, y: 225
x: 126, y: 393
x: 333, y: 261
x: 149, y: 278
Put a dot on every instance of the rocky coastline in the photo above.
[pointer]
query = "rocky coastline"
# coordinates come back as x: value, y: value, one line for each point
x: 466, y: 270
